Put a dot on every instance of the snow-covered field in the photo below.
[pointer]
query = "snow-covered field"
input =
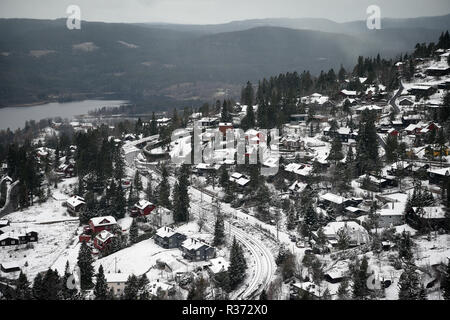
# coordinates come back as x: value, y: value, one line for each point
x: 56, y: 232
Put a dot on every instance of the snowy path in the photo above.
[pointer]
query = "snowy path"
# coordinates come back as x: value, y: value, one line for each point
x: 262, y: 266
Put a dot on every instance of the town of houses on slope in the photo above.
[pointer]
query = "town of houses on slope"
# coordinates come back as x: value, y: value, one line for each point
x: 370, y: 223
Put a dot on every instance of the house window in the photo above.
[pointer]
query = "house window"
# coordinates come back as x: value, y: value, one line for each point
x: 3, y: 243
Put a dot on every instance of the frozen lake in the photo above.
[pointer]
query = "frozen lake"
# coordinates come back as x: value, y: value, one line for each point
x: 15, y: 117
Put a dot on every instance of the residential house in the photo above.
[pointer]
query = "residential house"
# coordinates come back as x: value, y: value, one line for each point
x: 358, y: 234
x: 10, y: 267
x: 438, y: 71
x: 116, y: 282
x: 331, y: 199
x: 167, y: 238
x: 308, y: 289
x: 348, y: 94
x: 390, y: 217
x: 142, y: 208
x: 239, y: 179
x: 422, y: 90
x: 161, y: 217
x: 354, y: 211
x: 406, y: 102
x: 99, y: 224
x: 429, y: 216
x: 218, y: 265
x: 9, y: 239
x: 66, y: 170
x: 14, y: 238
x: 75, y: 204
x: 102, y: 239
x: 438, y: 176
x: 371, y: 108
x: 195, y: 250
x: 300, y: 169
x: 4, y: 223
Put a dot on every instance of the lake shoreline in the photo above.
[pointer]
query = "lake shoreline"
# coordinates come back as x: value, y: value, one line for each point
x: 16, y: 117
x: 42, y: 102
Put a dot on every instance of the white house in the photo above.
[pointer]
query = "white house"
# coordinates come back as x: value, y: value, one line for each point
x: 116, y: 282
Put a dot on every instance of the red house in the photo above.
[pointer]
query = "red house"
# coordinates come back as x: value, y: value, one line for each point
x: 432, y: 126
x: 84, y: 238
x: 224, y: 126
x: 102, y: 239
x: 66, y: 170
x: 102, y: 223
x: 393, y: 132
x: 142, y: 208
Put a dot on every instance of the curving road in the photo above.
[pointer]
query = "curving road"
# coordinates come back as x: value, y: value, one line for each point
x: 396, y: 95
x: 262, y: 265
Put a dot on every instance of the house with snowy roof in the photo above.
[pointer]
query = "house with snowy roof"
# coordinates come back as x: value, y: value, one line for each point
x: 99, y: 224
x: 66, y: 169
x: 142, y: 208
x: 75, y: 204
x: 102, y: 239
x: 438, y: 175
x: 116, y: 282
x: 168, y: 238
x: 358, y: 234
x: 391, y: 215
x: 196, y: 250
x: 431, y: 216
x: 331, y: 199
x: 348, y: 93
x: 308, y: 289
x: 218, y: 265
x: 161, y: 217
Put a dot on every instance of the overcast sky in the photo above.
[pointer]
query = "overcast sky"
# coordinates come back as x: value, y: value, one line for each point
x: 218, y: 11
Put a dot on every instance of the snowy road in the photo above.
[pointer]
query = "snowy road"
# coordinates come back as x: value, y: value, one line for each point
x: 262, y: 265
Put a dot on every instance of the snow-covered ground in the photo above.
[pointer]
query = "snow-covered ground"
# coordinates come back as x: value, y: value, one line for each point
x: 56, y: 232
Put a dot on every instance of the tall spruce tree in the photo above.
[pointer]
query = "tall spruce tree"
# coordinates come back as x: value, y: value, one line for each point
x: 336, y: 150
x: 119, y: 203
x: 36, y: 291
x: 137, y: 182
x: 367, y: 145
x: 85, y: 264
x: 101, y: 287
x: 238, y: 265
x: 23, y: 290
x: 149, y: 190
x: 181, y: 196
x: 446, y: 283
x: 219, y: 230
x: 408, y: 284
x: 51, y: 285
x: 164, y: 190
x: 131, y: 288
x: 134, y: 232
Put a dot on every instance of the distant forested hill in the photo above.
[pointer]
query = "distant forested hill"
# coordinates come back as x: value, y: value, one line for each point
x: 43, y: 60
